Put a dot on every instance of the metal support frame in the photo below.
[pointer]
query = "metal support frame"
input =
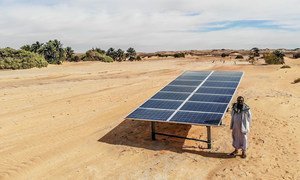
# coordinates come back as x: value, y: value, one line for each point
x: 208, y: 141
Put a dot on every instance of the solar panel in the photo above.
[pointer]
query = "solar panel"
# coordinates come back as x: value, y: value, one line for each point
x: 196, y: 118
x: 220, y: 84
x: 161, y: 104
x: 204, y: 107
x: 179, y: 88
x: 185, y: 83
x: 215, y: 90
x: 195, y: 97
x: 150, y: 114
x: 171, y: 96
x: 227, y: 73
x: 195, y: 78
x: 210, y: 98
x: 224, y: 78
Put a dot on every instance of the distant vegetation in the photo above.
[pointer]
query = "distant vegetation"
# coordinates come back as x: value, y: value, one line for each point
x: 94, y: 55
x: 296, y: 55
x: 239, y: 57
x: 276, y: 57
x: 20, y: 59
x: 224, y: 54
x: 179, y: 55
x: 53, y: 50
x: 40, y: 54
x: 254, y: 52
x: 285, y: 66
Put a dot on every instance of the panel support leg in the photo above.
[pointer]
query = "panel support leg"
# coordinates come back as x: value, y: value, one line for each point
x: 153, y: 130
x: 208, y: 137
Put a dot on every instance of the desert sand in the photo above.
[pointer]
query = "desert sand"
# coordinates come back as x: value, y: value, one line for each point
x: 67, y: 122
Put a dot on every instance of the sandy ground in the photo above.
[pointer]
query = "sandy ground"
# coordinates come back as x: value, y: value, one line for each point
x: 67, y: 122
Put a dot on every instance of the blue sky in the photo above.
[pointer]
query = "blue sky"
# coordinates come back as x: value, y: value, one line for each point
x: 152, y: 25
x: 240, y: 24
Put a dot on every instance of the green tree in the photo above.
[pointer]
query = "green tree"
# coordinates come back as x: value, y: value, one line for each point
x: 69, y: 53
x: 99, y: 50
x: 50, y: 53
x: 36, y: 46
x: 255, y: 52
x: 111, y: 53
x: 131, y: 53
x: 59, y: 47
x: 53, y: 51
x: 26, y: 47
x: 120, y: 55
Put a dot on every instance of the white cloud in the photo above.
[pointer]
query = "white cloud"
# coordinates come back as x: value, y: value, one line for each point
x: 147, y: 25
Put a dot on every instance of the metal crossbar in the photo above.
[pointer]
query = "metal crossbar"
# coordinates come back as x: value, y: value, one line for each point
x: 208, y: 141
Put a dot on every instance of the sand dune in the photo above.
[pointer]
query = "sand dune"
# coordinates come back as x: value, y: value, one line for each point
x: 67, y: 122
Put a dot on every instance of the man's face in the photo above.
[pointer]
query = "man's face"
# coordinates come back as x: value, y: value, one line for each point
x: 240, y: 100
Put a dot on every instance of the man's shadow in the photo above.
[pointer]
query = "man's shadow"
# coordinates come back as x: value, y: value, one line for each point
x: 138, y: 134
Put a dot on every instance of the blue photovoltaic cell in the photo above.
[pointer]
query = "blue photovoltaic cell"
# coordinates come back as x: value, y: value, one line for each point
x: 149, y: 114
x: 204, y: 107
x: 169, y: 95
x: 223, y: 78
x: 179, y: 88
x: 216, y: 91
x: 220, y: 84
x: 196, y: 118
x: 192, y: 77
x: 185, y: 83
x: 210, y: 98
x: 227, y: 73
x: 196, y: 73
x: 161, y: 104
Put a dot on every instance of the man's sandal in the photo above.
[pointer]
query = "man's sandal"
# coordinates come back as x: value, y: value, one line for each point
x: 233, y: 154
x: 244, y: 155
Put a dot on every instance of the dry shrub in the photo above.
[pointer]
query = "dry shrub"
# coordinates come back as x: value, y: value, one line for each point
x: 239, y: 57
x: 296, y: 55
x: 275, y: 57
x: 285, y: 66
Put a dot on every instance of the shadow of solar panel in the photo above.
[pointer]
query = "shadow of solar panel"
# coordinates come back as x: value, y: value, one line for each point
x: 204, y: 107
x: 196, y: 118
x: 216, y: 90
x: 185, y: 83
x: 225, y: 73
x: 161, y: 104
x: 182, y: 77
x: 224, y: 78
x: 210, y: 98
x: 220, y: 84
x: 149, y: 114
x: 172, y: 96
x: 196, y: 73
x: 179, y: 88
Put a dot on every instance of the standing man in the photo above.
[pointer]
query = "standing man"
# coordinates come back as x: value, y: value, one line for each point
x: 240, y: 125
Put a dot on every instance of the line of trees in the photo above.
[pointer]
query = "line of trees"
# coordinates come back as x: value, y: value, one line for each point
x: 54, y: 53
x: 53, y: 50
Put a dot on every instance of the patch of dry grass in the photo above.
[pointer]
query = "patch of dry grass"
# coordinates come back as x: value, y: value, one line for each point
x: 285, y: 66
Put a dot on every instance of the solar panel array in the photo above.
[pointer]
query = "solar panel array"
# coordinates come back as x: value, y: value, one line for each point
x: 195, y: 97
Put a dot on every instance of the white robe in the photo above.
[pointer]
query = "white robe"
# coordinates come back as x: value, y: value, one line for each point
x: 240, y: 125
